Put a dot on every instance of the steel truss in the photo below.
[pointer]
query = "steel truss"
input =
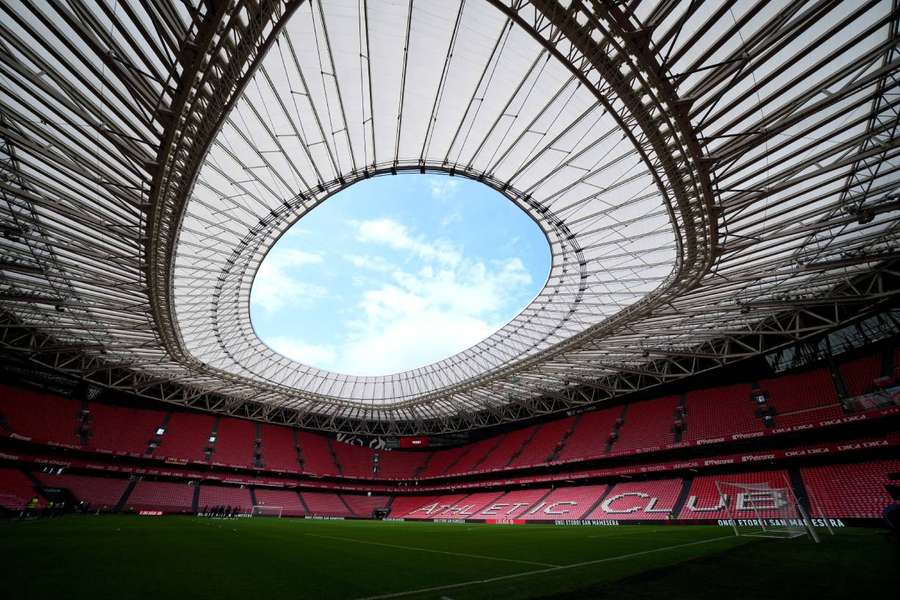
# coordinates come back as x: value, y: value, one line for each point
x: 766, y: 138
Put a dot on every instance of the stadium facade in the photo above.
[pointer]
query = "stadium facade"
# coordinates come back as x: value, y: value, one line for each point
x: 718, y: 185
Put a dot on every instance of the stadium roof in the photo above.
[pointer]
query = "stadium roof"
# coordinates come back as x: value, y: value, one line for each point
x: 716, y: 180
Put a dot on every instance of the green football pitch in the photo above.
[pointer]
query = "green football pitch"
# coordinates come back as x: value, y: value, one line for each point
x: 126, y: 557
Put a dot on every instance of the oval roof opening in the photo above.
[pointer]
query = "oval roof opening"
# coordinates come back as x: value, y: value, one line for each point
x: 397, y: 272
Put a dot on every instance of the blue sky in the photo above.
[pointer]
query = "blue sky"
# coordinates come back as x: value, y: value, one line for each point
x: 397, y: 272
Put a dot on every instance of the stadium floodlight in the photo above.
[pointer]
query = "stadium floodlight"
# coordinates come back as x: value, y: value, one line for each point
x: 761, y: 510
x: 266, y: 511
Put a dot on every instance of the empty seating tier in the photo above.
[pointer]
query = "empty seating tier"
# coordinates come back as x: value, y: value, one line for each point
x: 544, y: 443
x: 322, y: 504
x: 363, y: 506
x: 648, y: 426
x: 317, y: 457
x: 802, y: 398
x: 719, y: 412
x: 355, y: 461
x: 41, y: 417
x: 400, y: 464
x: 475, y: 453
x: 17, y: 490
x: 235, y: 442
x: 101, y: 493
x: 442, y: 460
x: 186, y: 437
x: 162, y: 495
x: 509, y: 445
x: 852, y: 490
x: 287, y: 500
x: 219, y: 495
x: 121, y: 430
x: 279, y: 452
x: 859, y: 375
x: 590, y: 436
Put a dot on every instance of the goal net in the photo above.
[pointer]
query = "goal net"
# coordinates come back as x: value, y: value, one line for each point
x: 764, y: 510
x: 266, y: 511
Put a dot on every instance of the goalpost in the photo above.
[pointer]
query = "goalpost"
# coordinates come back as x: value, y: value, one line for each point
x: 760, y: 510
x: 266, y: 511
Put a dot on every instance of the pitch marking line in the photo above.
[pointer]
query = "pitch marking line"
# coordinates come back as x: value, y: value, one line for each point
x: 541, y: 571
x: 417, y: 549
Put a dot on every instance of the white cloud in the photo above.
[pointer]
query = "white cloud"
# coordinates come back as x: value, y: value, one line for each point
x: 276, y: 285
x: 453, y: 217
x: 310, y: 354
x: 443, y: 187
x: 422, y: 317
x: 372, y: 263
x: 396, y: 236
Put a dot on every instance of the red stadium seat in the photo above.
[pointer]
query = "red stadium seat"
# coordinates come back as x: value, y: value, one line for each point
x: 362, y: 506
x: 802, y: 398
x: 17, y: 490
x: 120, y: 430
x: 400, y: 464
x: 543, y: 444
x: 279, y: 451
x: 590, y: 436
x: 162, y: 495
x: 219, y: 495
x: 323, y: 504
x: 859, y: 375
x: 717, y: 413
x: 474, y: 454
x: 647, y: 427
x: 317, y: 456
x: 235, y: 439
x: 509, y: 446
x: 355, y: 461
x: 441, y: 460
x: 852, y: 490
x: 287, y: 500
x: 101, y: 493
x: 39, y: 416
x: 186, y: 437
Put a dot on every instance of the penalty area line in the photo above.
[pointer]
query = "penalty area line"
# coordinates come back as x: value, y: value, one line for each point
x: 554, y: 569
x: 418, y: 549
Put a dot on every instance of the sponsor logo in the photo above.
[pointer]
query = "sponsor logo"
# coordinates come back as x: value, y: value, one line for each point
x: 449, y: 520
x: 777, y: 522
x: 754, y: 457
x: 718, y: 461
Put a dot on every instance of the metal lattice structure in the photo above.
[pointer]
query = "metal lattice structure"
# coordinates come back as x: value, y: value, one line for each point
x: 715, y: 180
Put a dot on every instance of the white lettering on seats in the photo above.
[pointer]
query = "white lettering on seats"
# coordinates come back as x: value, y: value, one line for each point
x: 692, y: 504
x: 492, y: 509
x: 549, y: 508
x: 606, y: 505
